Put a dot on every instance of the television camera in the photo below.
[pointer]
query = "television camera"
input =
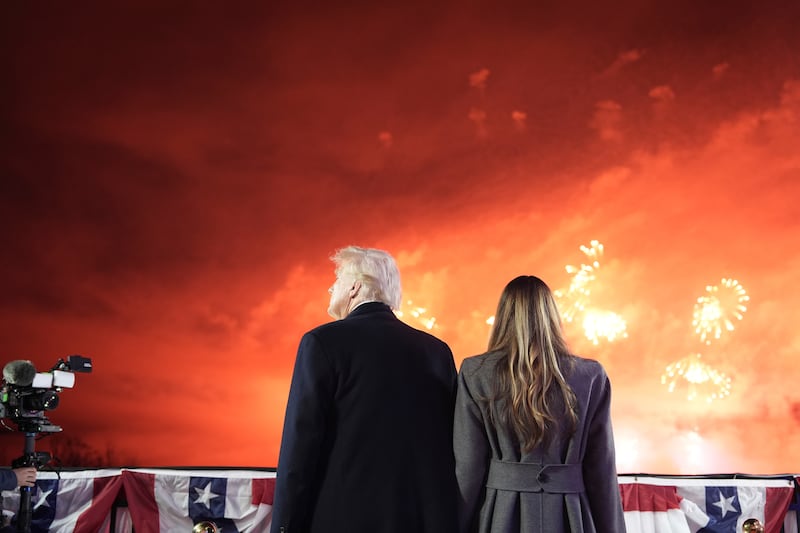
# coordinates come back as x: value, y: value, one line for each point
x: 26, y: 395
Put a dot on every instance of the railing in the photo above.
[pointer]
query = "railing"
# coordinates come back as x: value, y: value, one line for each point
x: 206, y: 500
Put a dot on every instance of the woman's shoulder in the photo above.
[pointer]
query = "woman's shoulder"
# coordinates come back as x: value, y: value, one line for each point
x: 587, y: 367
x: 479, y: 363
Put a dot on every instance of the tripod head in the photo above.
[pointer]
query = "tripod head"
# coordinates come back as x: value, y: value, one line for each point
x: 34, y: 459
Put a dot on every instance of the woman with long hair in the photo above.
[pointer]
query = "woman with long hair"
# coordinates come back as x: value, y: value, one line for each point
x: 532, y: 435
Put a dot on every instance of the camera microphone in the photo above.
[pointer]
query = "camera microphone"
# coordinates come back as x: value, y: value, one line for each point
x: 19, y: 373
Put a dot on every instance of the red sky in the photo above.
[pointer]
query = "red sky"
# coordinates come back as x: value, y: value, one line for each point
x: 175, y: 178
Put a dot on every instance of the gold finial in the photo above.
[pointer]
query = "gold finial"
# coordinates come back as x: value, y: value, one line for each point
x: 752, y: 525
x: 205, y: 527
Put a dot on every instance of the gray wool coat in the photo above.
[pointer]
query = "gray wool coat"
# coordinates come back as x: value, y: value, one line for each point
x: 569, y: 486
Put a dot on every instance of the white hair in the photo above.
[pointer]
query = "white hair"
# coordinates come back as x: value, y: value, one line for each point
x: 376, y: 269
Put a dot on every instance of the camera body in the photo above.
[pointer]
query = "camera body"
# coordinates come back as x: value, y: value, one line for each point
x: 26, y: 395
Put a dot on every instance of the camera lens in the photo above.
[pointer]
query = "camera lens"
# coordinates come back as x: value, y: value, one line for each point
x: 44, y: 401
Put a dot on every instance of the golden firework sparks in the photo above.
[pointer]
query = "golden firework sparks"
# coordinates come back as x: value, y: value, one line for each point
x: 603, y: 324
x: 702, y: 380
x: 715, y: 312
x: 574, y: 299
x: 418, y: 314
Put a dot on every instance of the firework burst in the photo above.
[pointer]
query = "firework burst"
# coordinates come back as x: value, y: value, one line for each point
x: 417, y: 314
x: 716, y: 311
x: 574, y: 299
x: 603, y: 324
x: 702, y: 381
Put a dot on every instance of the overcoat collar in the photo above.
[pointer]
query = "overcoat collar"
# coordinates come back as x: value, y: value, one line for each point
x: 370, y: 308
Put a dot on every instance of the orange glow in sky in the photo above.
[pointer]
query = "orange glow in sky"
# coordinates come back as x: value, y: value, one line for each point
x: 176, y: 179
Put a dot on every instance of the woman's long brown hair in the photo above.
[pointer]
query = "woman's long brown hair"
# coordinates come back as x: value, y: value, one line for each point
x: 531, y: 394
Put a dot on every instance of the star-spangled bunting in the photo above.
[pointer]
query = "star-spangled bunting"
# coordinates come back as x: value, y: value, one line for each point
x: 725, y: 504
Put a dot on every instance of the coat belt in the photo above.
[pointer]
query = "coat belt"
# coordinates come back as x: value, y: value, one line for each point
x: 531, y: 477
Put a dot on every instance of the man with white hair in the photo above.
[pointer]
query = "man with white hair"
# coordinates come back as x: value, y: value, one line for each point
x: 367, y: 438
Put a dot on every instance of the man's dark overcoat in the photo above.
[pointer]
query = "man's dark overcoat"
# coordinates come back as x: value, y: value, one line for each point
x: 367, y: 438
x: 569, y: 486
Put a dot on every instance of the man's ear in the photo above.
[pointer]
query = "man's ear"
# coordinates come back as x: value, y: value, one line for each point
x: 355, y: 288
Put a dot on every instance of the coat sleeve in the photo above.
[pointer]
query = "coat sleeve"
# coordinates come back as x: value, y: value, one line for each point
x: 471, y: 449
x: 599, y: 464
x: 8, y: 479
x: 305, y: 427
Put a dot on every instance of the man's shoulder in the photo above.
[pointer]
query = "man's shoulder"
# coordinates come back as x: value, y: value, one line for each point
x: 324, y: 328
x: 426, y: 336
x: 325, y: 333
x: 337, y: 327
